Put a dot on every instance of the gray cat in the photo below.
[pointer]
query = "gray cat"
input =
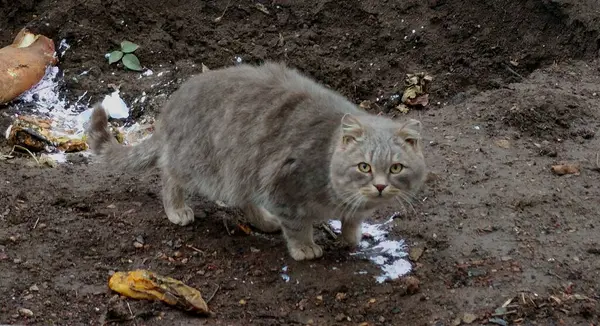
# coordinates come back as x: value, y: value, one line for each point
x: 286, y: 150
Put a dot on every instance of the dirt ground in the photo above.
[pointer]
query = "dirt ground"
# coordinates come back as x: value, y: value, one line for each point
x: 516, y: 90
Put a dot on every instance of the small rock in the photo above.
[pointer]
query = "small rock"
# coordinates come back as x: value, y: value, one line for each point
x: 506, y: 258
x: 140, y: 239
x: 3, y: 256
x: 28, y: 297
x: 138, y: 245
x: 416, y: 253
x: 503, y: 143
x: 381, y: 319
x: 469, y: 318
x: 34, y: 288
x: 340, y: 317
x: 341, y: 296
x: 17, y: 260
x: 456, y: 322
x: 25, y: 312
x: 177, y: 254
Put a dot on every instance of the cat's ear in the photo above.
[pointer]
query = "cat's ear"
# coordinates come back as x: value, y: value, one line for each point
x: 410, y: 132
x: 352, y: 130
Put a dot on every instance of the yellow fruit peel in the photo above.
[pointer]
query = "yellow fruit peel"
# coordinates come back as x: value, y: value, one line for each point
x: 145, y: 285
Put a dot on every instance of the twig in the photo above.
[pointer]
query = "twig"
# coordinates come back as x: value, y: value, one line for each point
x: 218, y: 19
x: 597, y: 168
x: 551, y: 273
x: 195, y: 249
x: 25, y: 149
x: 36, y: 223
x: 327, y: 229
x: 226, y: 226
x: 213, y: 294
x: 131, y: 312
x: 512, y: 71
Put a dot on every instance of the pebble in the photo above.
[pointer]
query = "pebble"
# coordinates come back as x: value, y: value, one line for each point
x: 340, y: 296
x: 17, y: 260
x: 25, y: 312
x: 340, y: 317
x: 415, y: 253
x: 469, y: 318
x: 138, y: 245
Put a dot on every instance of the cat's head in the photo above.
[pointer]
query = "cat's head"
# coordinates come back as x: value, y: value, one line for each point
x: 377, y: 161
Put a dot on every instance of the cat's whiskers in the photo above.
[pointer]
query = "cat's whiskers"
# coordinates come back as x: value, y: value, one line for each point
x: 346, y: 202
x: 403, y: 197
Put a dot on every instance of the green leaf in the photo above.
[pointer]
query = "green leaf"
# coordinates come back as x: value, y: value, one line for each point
x: 132, y: 62
x: 128, y: 47
x: 114, y: 57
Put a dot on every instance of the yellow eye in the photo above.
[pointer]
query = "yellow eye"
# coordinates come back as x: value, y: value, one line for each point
x: 364, y: 167
x: 396, y: 168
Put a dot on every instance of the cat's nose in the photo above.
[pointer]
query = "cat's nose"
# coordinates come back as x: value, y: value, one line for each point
x: 380, y: 187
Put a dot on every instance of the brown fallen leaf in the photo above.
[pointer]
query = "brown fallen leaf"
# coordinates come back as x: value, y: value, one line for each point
x: 416, y: 91
x: 143, y: 284
x: 562, y: 169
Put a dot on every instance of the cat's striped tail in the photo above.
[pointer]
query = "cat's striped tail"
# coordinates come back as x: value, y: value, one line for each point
x: 126, y: 158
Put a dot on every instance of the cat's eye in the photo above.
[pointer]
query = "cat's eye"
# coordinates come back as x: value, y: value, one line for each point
x: 364, y: 167
x: 396, y: 168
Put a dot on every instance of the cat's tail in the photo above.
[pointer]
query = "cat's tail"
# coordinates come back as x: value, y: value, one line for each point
x: 125, y: 158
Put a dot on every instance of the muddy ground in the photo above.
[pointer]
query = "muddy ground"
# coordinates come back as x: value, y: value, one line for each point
x: 516, y: 90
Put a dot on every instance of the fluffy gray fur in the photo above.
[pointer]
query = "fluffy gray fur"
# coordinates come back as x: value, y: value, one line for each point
x: 273, y: 142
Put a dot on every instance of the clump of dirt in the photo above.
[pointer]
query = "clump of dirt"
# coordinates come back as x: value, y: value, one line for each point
x: 550, y: 116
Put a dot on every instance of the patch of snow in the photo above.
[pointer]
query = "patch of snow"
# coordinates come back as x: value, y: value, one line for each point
x: 389, y: 255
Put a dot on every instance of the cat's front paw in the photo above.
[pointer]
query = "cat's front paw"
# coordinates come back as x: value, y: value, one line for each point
x: 182, y: 216
x: 352, y: 233
x: 306, y: 251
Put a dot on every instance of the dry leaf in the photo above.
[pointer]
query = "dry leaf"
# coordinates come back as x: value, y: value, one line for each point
x: 365, y: 105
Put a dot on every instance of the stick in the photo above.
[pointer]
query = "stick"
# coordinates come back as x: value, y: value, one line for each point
x: 36, y: 223
x: 213, y: 294
x: 512, y: 71
x: 25, y: 149
x: 195, y: 249
x: 327, y: 229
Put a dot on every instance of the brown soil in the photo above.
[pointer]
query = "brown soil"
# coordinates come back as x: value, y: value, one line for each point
x: 515, y: 91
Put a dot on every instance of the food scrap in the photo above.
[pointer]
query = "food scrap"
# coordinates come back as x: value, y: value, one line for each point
x: 23, y: 63
x: 37, y: 135
x: 562, y: 169
x: 146, y: 285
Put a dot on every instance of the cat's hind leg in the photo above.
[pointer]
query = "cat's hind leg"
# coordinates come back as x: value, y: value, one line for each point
x: 300, y: 242
x: 173, y: 196
x: 261, y: 219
